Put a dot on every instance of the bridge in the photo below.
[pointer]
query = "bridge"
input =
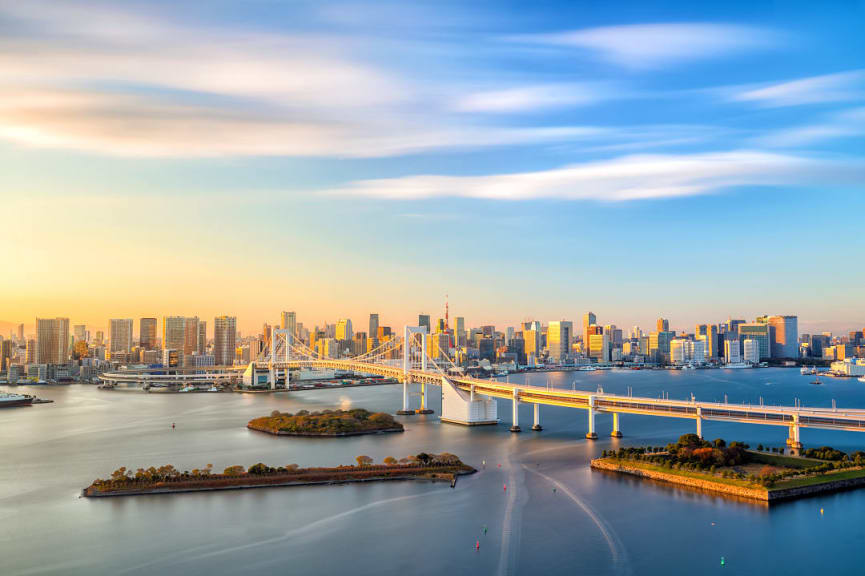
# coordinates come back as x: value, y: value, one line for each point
x: 470, y: 401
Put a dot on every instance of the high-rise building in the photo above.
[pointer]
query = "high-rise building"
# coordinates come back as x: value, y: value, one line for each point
x: 752, y: 350
x: 460, y: 334
x: 423, y: 320
x: 732, y: 352
x: 30, y: 352
x: 589, y: 319
x: 344, y: 331
x: 663, y: 325
x: 636, y: 333
x: 659, y: 345
x: 532, y: 342
x: 599, y: 346
x: 785, y: 342
x: 559, y: 339
x: 5, y: 353
x: 373, y: 325
x: 21, y: 332
x: 147, y: 333
x: 79, y: 332
x: 687, y: 351
x: 181, y: 333
x: 759, y: 333
x: 289, y: 322
x: 201, y: 345
x: 120, y: 336
x: 52, y: 340
x: 224, y: 340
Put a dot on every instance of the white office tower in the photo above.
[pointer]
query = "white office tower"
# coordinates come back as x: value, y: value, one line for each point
x: 751, y: 351
x: 731, y: 352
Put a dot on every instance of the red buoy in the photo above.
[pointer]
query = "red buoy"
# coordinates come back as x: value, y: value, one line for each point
x: 478, y: 545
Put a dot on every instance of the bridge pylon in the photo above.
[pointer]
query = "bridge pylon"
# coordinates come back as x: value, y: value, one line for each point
x: 411, y: 336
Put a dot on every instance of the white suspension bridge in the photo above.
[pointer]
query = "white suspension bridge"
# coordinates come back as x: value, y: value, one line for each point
x: 470, y: 401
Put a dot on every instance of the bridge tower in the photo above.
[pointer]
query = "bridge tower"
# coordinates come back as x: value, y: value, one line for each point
x: 413, y: 335
x: 280, y: 353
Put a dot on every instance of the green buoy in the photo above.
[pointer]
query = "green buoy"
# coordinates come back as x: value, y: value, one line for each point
x: 723, y: 561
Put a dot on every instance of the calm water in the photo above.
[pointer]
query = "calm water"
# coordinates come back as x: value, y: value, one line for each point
x: 592, y: 524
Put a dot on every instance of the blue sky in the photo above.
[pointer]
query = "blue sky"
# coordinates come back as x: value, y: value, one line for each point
x: 533, y: 159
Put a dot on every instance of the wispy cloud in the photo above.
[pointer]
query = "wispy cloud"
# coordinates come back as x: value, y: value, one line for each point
x: 840, y: 87
x: 533, y: 98
x: 655, y: 45
x: 845, y: 124
x: 626, y: 178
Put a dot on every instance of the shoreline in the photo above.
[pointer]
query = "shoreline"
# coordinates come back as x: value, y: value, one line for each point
x: 751, y: 492
x: 323, y: 435
x: 247, y: 481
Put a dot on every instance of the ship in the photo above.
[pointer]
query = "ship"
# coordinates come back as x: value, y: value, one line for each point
x: 805, y: 370
x: 9, y: 400
x: 736, y: 365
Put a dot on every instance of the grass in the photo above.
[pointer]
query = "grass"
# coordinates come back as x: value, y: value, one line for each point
x: 687, y: 473
x: 819, y: 479
x: 782, y: 461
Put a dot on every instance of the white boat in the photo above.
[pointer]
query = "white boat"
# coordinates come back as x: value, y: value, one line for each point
x: 736, y: 366
x: 213, y: 389
x: 862, y: 379
x: 187, y: 389
x: 805, y: 370
x: 586, y: 369
x: 8, y: 400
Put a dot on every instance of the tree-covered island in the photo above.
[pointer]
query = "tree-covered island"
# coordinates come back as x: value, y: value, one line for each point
x: 326, y: 423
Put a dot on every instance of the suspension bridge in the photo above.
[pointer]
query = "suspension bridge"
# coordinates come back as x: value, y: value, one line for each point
x: 471, y: 401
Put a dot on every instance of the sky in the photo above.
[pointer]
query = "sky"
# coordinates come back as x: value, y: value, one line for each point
x: 525, y: 159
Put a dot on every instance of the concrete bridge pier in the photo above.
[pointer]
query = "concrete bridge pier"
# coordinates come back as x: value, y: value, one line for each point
x: 537, y: 426
x: 616, y: 433
x: 793, y: 442
x: 591, y: 434
x: 405, y: 411
x: 516, y: 411
x: 423, y: 406
x: 699, y: 422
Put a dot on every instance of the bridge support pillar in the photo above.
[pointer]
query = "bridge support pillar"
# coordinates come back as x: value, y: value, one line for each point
x: 537, y: 425
x: 793, y: 442
x: 616, y: 433
x: 591, y: 434
x: 423, y: 407
x: 515, y: 427
x: 467, y: 408
x: 405, y: 411
x: 699, y: 422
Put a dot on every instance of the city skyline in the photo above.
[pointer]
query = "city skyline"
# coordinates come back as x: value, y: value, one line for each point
x: 528, y: 161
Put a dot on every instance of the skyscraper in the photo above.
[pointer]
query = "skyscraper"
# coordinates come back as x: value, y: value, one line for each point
x: 224, y: 339
x: 201, y: 346
x: 181, y: 333
x: 663, y: 325
x: 760, y: 334
x: 589, y: 318
x: 373, y: 325
x: 559, y: 339
x: 785, y: 342
x: 147, y: 333
x: 120, y: 335
x: 344, y: 330
x: 289, y: 322
x: 52, y: 340
x: 79, y: 331
x: 423, y: 320
x: 21, y: 332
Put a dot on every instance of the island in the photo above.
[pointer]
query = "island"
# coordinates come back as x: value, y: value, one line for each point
x: 168, y: 480
x: 326, y: 423
x: 765, y: 474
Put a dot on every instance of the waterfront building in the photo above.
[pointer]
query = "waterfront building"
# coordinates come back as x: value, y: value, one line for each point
x: 599, y: 346
x: 752, y: 350
x: 687, y: 351
x: 559, y: 340
x: 52, y: 340
x: 224, y: 340
x: 759, y: 332
x: 532, y: 339
x: 849, y: 367
x: 786, y: 336
x: 732, y: 352
x: 659, y: 345
x: 147, y: 333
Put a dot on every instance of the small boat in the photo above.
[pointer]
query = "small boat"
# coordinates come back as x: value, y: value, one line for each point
x: 805, y: 370
x: 862, y: 379
x: 187, y: 389
x: 213, y: 389
x: 8, y: 400
x: 816, y: 382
